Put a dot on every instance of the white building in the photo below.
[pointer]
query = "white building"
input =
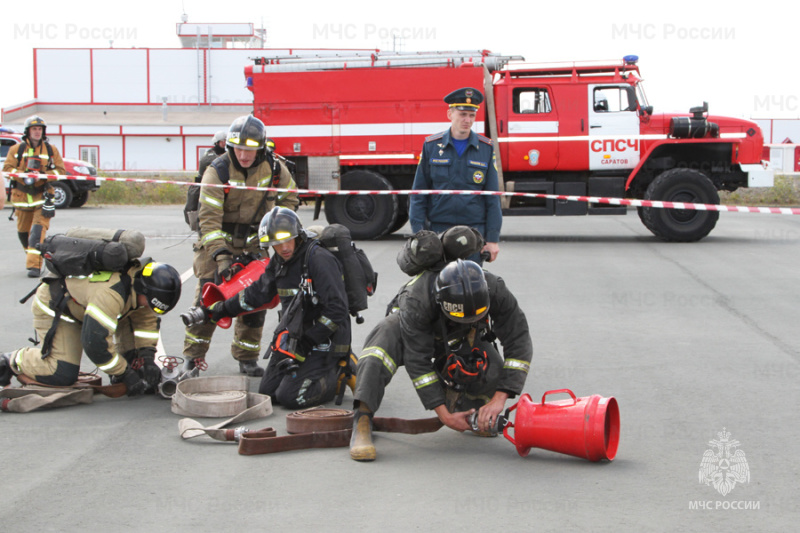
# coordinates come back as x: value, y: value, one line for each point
x: 143, y: 109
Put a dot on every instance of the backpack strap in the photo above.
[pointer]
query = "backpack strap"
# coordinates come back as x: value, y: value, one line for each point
x: 220, y: 164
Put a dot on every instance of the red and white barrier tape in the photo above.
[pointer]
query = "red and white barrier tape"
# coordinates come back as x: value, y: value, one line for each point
x: 322, y: 192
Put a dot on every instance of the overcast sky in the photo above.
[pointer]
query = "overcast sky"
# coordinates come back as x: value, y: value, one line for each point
x: 742, y: 61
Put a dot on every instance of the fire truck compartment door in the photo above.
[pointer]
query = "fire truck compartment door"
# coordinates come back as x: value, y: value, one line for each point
x: 613, y: 127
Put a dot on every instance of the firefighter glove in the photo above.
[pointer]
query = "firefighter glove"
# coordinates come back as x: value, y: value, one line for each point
x: 134, y: 382
x: 224, y: 262
x: 149, y: 370
x: 48, y: 209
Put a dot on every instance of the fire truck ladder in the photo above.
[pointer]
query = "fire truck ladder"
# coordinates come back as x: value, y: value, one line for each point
x: 348, y: 59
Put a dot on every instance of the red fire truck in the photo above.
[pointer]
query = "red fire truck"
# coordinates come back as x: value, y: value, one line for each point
x: 357, y: 121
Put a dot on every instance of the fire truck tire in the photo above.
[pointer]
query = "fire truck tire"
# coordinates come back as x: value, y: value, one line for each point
x: 402, y: 213
x: 367, y: 216
x: 62, y: 195
x: 680, y: 225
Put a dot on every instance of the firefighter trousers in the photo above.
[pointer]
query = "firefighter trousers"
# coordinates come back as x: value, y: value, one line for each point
x: 33, y: 226
x: 62, y: 364
x: 313, y: 383
x: 247, y: 329
x: 382, y: 356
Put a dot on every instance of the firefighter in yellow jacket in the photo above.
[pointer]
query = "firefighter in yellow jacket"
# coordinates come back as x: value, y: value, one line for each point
x: 32, y: 198
x: 229, y: 220
x: 112, y: 316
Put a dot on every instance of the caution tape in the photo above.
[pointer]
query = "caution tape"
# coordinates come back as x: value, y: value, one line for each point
x: 395, y: 192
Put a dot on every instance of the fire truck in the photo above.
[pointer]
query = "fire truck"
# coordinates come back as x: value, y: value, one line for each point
x: 356, y: 120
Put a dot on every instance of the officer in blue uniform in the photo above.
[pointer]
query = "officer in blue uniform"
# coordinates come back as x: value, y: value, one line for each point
x: 458, y: 159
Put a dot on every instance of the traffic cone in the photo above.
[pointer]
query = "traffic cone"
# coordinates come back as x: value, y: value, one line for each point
x: 583, y: 427
x: 245, y: 277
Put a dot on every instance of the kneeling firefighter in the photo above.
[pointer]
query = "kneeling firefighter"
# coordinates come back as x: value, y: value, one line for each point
x: 112, y: 316
x: 442, y: 327
x: 313, y: 335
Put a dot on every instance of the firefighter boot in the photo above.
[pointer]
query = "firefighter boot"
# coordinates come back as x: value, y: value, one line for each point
x: 361, y: 446
x: 346, y: 376
x: 250, y: 368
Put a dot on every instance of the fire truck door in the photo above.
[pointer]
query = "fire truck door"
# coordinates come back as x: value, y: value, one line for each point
x: 613, y: 127
x: 532, y: 136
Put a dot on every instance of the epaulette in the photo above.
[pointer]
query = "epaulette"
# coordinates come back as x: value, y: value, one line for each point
x: 434, y: 137
x: 484, y: 139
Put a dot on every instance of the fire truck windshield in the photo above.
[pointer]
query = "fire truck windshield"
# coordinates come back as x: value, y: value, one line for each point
x: 641, y: 96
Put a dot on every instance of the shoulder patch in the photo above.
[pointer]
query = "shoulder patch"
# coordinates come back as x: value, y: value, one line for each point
x: 434, y: 137
x: 484, y: 139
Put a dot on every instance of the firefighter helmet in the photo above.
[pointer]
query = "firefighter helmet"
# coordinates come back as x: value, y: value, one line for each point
x: 161, y: 284
x: 280, y: 225
x: 460, y: 242
x: 247, y: 133
x: 462, y: 292
x: 221, y: 135
x: 34, y: 120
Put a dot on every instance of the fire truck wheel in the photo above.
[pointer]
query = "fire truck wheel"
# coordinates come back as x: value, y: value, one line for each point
x: 680, y: 225
x: 402, y: 213
x: 367, y: 216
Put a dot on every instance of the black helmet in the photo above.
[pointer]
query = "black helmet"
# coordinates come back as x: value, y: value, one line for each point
x: 35, y: 120
x: 460, y: 242
x: 161, y: 284
x: 462, y: 292
x: 279, y: 225
x: 247, y: 133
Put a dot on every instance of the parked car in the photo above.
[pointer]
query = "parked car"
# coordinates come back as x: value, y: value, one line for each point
x: 68, y: 193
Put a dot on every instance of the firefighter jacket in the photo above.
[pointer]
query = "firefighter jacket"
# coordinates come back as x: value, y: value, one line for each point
x: 421, y: 321
x: 206, y: 160
x: 229, y: 218
x: 441, y: 168
x: 29, y: 197
x: 112, y: 323
x: 328, y: 319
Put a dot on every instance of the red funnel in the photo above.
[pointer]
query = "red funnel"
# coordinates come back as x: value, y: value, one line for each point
x: 583, y: 427
x: 240, y: 281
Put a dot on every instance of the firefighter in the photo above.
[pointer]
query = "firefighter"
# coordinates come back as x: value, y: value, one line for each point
x: 442, y: 329
x: 217, y: 149
x: 112, y: 316
x: 229, y: 222
x: 33, y: 198
x: 458, y: 159
x: 314, y: 333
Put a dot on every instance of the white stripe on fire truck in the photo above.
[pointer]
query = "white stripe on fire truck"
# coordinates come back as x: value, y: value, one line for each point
x: 362, y: 130
x: 741, y: 135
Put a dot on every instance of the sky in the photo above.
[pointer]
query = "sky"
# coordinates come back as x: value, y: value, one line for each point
x: 741, y: 61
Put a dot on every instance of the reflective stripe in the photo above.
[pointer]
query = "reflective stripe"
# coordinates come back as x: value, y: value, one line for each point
x: 328, y: 323
x: 244, y: 305
x: 142, y: 334
x: 424, y: 381
x: 41, y: 305
x: 213, y: 202
x: 108, y: 366
x: 215, y: 235
x: 516, y: 364
x: 95, y: 312
x: 377, y: 351
x: 32, y: 251
x: 287, y: 292
x: 414, y: 280
x: 247, y: 345
x: 194, y: 339
x: 265, y: 182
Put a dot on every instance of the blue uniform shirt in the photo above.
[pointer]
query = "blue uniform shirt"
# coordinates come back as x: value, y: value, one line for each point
x: 441, y: 168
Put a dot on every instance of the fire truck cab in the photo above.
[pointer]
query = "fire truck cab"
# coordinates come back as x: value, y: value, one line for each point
x: 357, y: 121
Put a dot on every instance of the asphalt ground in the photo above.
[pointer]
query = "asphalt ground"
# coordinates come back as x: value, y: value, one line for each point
x: 691, y: 340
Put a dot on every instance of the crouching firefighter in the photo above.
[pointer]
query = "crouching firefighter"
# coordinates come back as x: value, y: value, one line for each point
x: 442, y: 327
x: 112, y: 316
x: 314, y: 332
